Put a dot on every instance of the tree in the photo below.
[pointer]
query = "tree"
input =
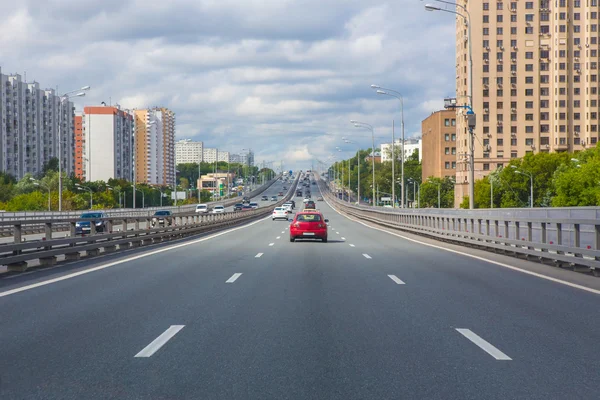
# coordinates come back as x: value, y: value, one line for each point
x: 51, y: 165
x: 429, y: 192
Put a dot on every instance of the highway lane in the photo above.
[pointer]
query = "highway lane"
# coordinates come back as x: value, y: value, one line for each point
x: 304, y: 320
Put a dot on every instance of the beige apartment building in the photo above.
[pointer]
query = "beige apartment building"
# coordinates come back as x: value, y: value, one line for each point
x: 438, y: 132
x: 154, y: 146
x: 535, y: 80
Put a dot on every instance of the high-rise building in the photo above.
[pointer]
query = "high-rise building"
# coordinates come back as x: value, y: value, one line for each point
x: 439, y: 145
x: 535, y: 80
x: 210, y: 155
x: 107, y: 144
x: 223, y: 156
x: 31, y: 122
x: 154, y: 146
x: 79, y: 147
x: 187, y: 151
x: 235, y: 158
x: 410, y: 146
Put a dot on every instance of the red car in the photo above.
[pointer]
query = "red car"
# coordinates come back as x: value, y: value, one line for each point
x: 309, y: 225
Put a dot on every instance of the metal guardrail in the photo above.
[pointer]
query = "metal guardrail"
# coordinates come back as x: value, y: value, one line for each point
x: 505, y: 232
x: 16, y: 255
x: 7, y: 222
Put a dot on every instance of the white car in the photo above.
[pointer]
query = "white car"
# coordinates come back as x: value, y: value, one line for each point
x: 288, y: 207
x: 280, y: 213
x: 202, y: 208
x: 306, y: 200
x: 218, y: 209
x: 254, y: 205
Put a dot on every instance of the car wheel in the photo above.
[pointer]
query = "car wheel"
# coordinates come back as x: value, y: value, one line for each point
x: 292, y: 239
x: 324, y: 240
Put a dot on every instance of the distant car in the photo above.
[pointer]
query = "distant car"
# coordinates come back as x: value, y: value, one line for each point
x: 314, y: 183
x: 293, y: 203
x: 310, y: 205
x: 280, y: 213
x: 319, y: 198
x: 273, y: 198
x: 306, y: 200
x: 280, y: 194
x: 254, y: 205
x: 83, y: 227
x: 246, y: 200
x: 284, y: 188
x: 309, y: 225
x: 298, y: 193
x: 246, y: 207
x: 287, y: 206
x: 218, y: 209
x: 162, y: 218
x: 238, y: 207
x: 264, y: 198
x: 202, y: 208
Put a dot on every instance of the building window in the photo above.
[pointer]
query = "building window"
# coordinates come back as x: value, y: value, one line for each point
x: 447, y: 164
x: 528, y: 92
x: 486, y: 167
x: 447, y: 150
x: 500, y: 142
x: 529, y: 104
x: 528, y: 67
x: 528, y: 117
x: 453, y: 164
x: 529, y: 129
x: 513, y: 142
x: 529, y: 142
x: 447, y: 122
x: 529, y: 30
x: 513, y: 154
x: 454, y: 150
x: 447, y: 137
x: 529, y: 55
x: 454, y: 137
x: 453, y: 122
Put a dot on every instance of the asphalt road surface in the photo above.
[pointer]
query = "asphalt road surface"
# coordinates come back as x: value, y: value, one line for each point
x: 248, y: 315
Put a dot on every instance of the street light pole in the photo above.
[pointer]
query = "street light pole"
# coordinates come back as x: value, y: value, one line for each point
x: 91, y: 193
x: 358, y: 164
x: 369, y: 127
x: 397, y: 95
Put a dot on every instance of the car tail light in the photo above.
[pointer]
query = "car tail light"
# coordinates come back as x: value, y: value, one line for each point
x: 297, y: 225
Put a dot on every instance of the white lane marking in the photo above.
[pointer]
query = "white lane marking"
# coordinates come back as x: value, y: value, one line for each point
x: 396, y: 279
x: 366, y: 256
x: 351, y: 245
x: 484, y: 345
x: 259, y: 255
x: 271, y: 244
x: 498, y: 263
x: 160, y: 341
x: 233, y: 277
x: 282, y: 231
x: 124, y: 260
x: 343, y: 238
x: 337, y: 233
x: 278, y: 237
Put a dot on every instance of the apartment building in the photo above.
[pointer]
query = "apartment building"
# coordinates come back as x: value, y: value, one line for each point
x: 79, y: 146
x: 410, y: 146
x: 439, y: 145
x: 107, y: 144
x: 535, y: 80
x: 187, y: 151
x: 223, y: 156
x: 154, y: 136
x: 31, y: 122
x: 210, y: 155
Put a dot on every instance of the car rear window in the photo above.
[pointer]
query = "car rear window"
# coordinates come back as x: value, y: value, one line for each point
x: 309, y: 218
x: 219, y: 207
x: 162, y: 213
x: 201, y: 207
x: 92, y: 215
x: 278, y: 208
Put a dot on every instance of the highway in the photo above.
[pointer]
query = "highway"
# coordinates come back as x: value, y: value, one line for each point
x: 245, y: 314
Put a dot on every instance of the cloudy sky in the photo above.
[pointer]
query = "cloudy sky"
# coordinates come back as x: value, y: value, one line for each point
x: 283, y: 77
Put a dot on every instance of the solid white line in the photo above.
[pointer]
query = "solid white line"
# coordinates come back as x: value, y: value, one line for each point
x: 367, y: 256
x: 396, y: 279
x: 259, y: 255
x: 233, y: 277
x: 160, y: 341
x: 484, y: 345
x: 500, y: 264
x: 278, y: 237
x: 271, y: 244
x: 136, y: 257
x: 351, y: 245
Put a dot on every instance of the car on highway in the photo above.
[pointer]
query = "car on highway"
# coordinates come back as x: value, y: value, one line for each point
x: 284, y: 188
x: 280, y: 213
x: 287, y: 206
x: 314, y: 183
x: 202, y: 208
x: 280, y: 194
x: 162, y: 218
x: 264, y: 198
x: 238, y: 207
x: 218, y: 209
x: 310, y: 205
x: 309, y: 225
x: 253, y: 205
x: 246, y: 200
x: 89, y: 218
x: 247, y: 207
x: 306, y: 200
x: 273, y: 198
x: 299, y: 193
x: 319, y: 198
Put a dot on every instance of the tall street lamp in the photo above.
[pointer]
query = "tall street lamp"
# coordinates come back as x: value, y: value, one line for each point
x: 363, y: 125
x: 467, y: 17
x: 62, y: 99
x: 415, y: 191
x: 143, y: 196
x: 530, y: 183
x: 439, y: 192
x: 41, y: 185
x: 397, y: 95
x: 89, y: 190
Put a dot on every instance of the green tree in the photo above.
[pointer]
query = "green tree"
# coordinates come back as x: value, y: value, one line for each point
x: 429, y: 192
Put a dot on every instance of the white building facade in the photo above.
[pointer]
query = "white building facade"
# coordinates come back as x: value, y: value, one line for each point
x: 187, y: 151
x: 108, y: 143
x: 210, y: 155
x: 223, y: 156
x: 410, y: 146
x: 31, y: 122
